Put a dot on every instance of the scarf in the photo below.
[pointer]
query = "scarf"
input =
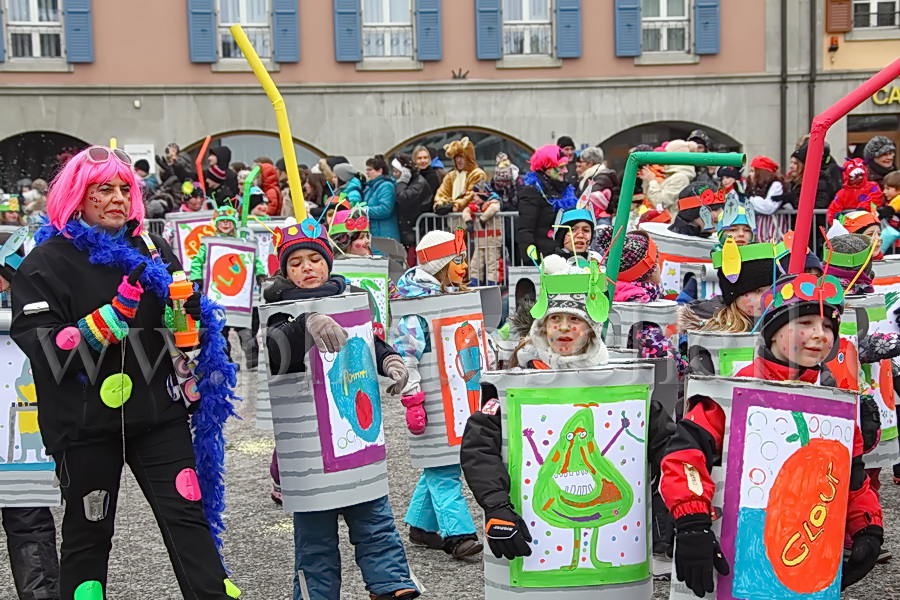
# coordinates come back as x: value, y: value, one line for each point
x: 878, y: 170
x: 285, y: 289
x: 562, y: 193
x: 216, y: 374
x: 594, y: 354
x: 416, y: 283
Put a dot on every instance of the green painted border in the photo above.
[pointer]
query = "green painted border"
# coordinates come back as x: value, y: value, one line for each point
x: 877, y: 313
x: 387, y: 290
x: 848, y: 328
x: 729, y: 356
x: 515, y: 399
x: 891, y: 433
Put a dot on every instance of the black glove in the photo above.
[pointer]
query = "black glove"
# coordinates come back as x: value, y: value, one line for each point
x: 886, y: 213
x: 507, y: 534
x: 863, y: 555
x: 192, y: 306
x: 443, y: 209
x: 470, y: 226
x: 697, y: 552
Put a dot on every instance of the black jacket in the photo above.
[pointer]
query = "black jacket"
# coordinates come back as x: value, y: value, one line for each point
x: 413, y: 199
x: 68, y: 382
x: 683, y: 227
x: 287, y: 341
x: 537, y: 215
x: 482, y: 462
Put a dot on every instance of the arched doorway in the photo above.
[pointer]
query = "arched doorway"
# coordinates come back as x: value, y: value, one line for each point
x: 34, y: 155
x: 616, y: 147
x: 487, y: 144
x: 247, y: 145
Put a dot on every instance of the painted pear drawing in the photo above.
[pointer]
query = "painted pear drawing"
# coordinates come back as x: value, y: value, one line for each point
x: 577, y: 487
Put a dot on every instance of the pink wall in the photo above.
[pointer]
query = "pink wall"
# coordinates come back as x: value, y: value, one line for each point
x: 152, y: 49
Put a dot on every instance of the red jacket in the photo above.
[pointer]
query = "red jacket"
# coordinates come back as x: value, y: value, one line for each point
x: 697, y: 446
x: 270, y: 188
x: 855, y: 199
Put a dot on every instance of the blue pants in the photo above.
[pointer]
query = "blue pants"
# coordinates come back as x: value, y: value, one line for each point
x: 438, y: 505
x: 379, y: 551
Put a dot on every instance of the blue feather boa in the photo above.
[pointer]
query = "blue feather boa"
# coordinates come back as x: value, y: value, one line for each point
x: 216, y: 374
x: 564, y: 202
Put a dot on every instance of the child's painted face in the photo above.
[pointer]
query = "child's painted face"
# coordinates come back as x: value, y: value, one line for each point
x: 307, y: 269
x: 4, y: 284
x: 873, y: 232
x: 458, y: 270
x: 741, y: 233
x: 361, y: 246
x: 567, y: 334
x: 751, y: 302
x: 259, y: 210
x: 655, y: 275
x: 195, y: 202
x: 225, y: 226
x: 10, y: 217
x: 580, y: 236
x: 806, y: 341
x: 890, y: 192
x: 728, y: 182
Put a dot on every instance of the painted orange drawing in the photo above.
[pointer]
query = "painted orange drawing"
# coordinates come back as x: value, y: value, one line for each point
x: 192, y: 241
x: 806, y: 512
x: 229, y: 274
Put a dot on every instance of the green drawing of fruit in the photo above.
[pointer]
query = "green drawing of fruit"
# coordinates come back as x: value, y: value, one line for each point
x: 576, y: 486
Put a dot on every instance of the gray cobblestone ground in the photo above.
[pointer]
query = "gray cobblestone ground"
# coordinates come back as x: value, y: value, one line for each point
x: 259, y: 543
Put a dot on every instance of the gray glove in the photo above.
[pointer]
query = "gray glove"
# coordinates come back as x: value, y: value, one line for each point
x: 325, y: 332
x: 394, y: 368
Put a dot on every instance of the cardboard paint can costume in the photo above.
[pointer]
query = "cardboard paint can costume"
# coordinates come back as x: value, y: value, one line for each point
x: 26, y: 470
x: 683, y: 255
x: 781, y: 489
x: 328, y: 420
x: 575, y: 445
x: 874, y: 379
x: 188, y: 229
x: 450, y: 365
x: 722, y: 354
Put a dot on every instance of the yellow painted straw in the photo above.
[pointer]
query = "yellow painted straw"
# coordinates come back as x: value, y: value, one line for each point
x: 284, y: 127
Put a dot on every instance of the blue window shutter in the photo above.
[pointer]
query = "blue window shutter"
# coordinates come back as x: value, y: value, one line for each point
x: 286, y: 31
x: 568, y: 28
x: 2, y: 38
x: 488, y: 30
x: 202, y: 31
x: 79, y: 28
x: 706, y: 26
x: 428, y: 30
x: 628, y: 27
x: 347, y: 31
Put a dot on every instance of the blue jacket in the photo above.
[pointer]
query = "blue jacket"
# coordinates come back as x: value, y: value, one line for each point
x: 354, y: 191
x: 380, y: 200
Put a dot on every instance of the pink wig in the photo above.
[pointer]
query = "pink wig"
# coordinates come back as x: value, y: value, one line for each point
x: 68, y: 188
x: 547, y: 157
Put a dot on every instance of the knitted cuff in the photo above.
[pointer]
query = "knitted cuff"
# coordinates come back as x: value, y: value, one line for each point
x: 102, y: 327
x: 391, y: 360
x: 127, y: 300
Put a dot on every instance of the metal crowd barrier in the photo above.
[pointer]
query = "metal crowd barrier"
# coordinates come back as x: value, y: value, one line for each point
x: 507, y: 224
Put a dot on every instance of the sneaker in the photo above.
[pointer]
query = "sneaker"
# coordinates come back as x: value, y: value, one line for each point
x: 885, y: 556
x: 662, y: 567
x: 467, y: 548
x: 420, y: 537
x: 276, y: 494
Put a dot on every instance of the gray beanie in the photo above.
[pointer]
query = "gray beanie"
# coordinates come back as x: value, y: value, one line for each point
x: 345, y: 172
x: 593, y: 154
x: 878, y: 146
x: 850, y: 243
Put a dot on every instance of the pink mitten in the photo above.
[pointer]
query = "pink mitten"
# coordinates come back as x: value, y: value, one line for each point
x: 415, y: 412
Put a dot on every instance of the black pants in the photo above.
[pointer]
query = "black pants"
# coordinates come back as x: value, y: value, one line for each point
x: 31, y: 542
x: 156, y: 457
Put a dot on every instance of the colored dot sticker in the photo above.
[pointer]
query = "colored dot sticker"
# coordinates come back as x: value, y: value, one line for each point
x: 116, y: 390
x: 188, y: 486
x: 232, y: 590
x: 89, y: 590
x: 68, y: 338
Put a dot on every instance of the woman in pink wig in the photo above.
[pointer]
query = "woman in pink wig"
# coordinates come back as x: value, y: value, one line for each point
x: 545, y: 193
x: 90, y: 306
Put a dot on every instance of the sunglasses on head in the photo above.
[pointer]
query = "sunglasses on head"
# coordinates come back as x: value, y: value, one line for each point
x: 101, y: 154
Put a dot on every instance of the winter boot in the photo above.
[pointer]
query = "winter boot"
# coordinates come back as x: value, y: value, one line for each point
x: 406, y: 595
x: 461, y: 546
x: 420, y: 537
